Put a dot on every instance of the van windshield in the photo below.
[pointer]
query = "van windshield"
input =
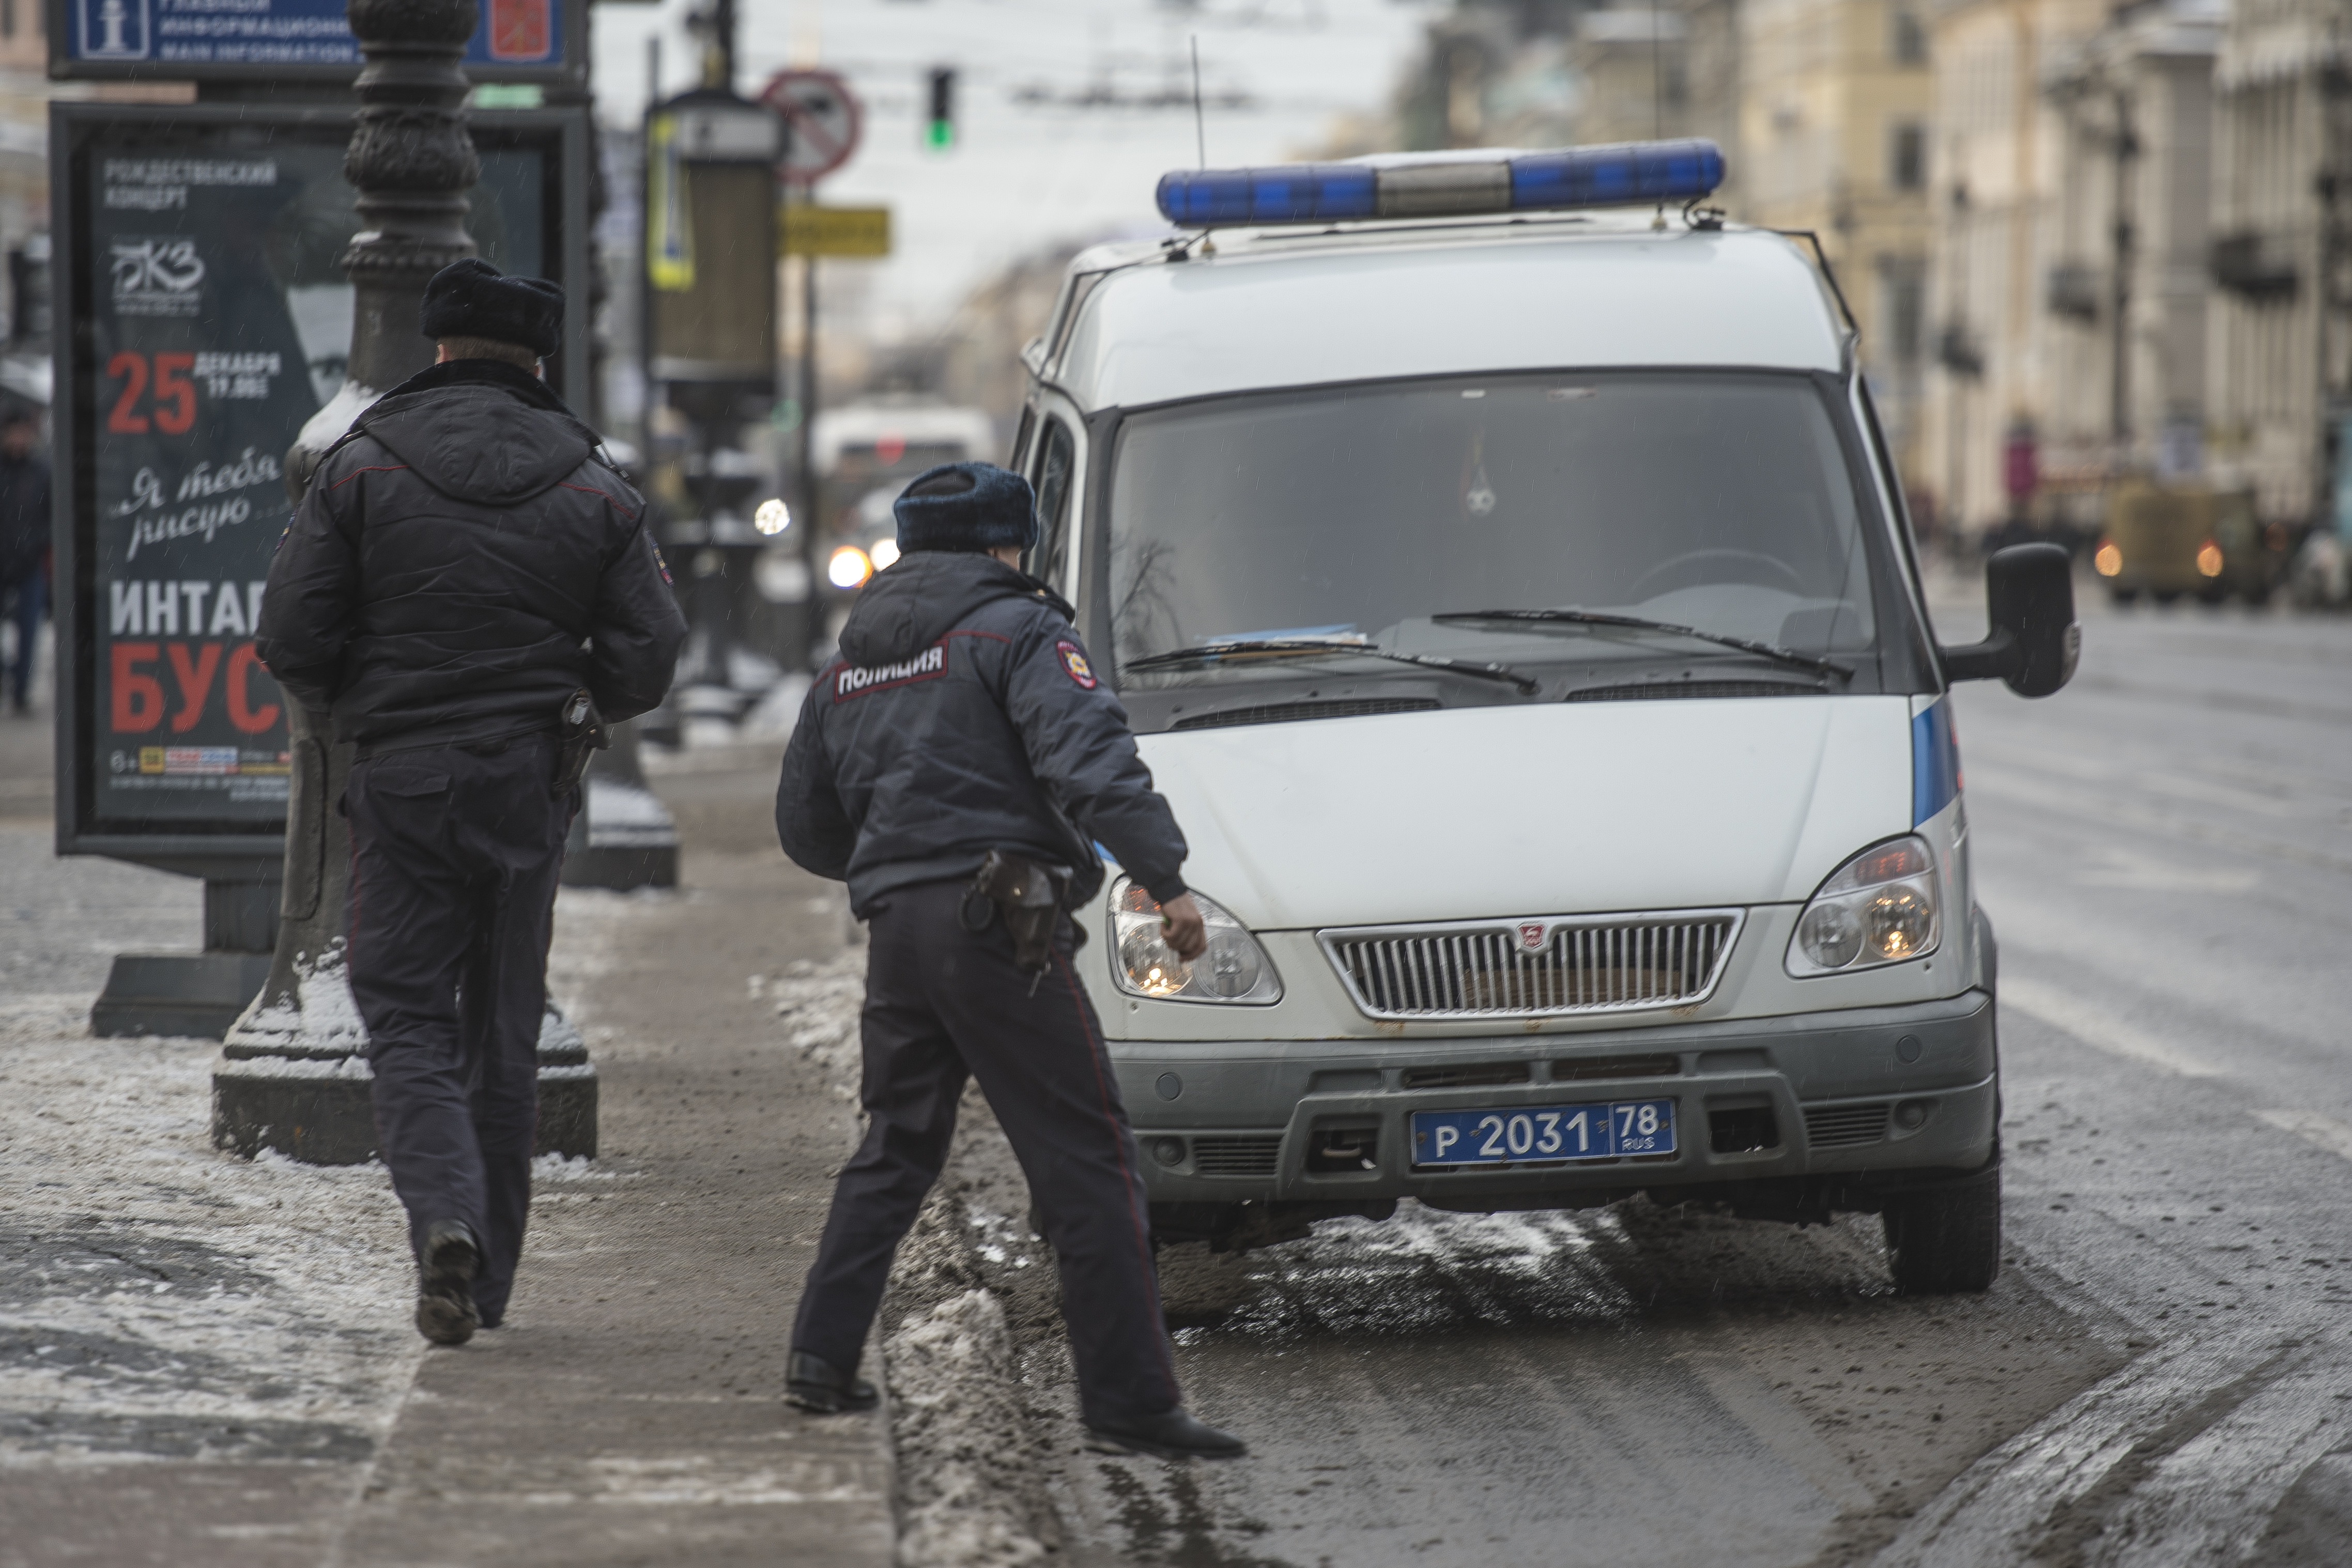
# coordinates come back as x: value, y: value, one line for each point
x: 1377, y: 515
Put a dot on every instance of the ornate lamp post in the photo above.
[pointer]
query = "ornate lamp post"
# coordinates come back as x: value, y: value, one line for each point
x: 292, y: 1077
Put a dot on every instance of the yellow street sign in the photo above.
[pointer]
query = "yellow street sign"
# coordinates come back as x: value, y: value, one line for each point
x: 669, y: 236
x: 807, y: 230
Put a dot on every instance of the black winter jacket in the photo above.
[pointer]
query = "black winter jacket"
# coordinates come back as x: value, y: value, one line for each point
x: 962, y: 717
x: 461, y: 563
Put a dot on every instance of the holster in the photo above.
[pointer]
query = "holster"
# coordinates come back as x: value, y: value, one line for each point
x: 580, y: 732
x: 1028, y: 895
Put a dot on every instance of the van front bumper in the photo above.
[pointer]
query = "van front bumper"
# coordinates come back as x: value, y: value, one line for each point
x: 1870, y: 1098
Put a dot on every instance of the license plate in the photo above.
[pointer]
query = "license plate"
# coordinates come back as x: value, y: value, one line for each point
x: 1598, y: 1131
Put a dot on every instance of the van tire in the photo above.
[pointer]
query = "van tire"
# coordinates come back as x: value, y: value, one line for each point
x: 1945, y: 1240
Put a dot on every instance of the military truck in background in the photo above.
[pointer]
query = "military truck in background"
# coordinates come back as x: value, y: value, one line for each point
x: 2166, y: 541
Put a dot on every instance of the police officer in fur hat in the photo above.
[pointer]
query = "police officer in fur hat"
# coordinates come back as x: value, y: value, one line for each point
x: 469, y: 589
x: 957, y: 766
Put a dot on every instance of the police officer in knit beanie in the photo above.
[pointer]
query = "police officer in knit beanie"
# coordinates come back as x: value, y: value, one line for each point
x: 957, y: 767
x: 966, y: 507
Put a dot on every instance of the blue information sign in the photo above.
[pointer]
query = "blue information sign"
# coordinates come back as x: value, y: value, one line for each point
x: 515, y: 36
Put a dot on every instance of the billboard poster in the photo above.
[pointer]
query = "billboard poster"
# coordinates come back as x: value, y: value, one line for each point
x: 214, y: 37
x: 213, y: 319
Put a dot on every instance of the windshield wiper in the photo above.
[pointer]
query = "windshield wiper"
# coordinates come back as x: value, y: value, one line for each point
x: 1209, y: 650
x: 1597, y: 618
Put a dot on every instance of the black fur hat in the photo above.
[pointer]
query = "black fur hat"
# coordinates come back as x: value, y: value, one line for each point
x: 472, y: 299
x: 966, y: 506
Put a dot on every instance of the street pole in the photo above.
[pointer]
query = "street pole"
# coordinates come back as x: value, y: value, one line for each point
x: 292, y: 1077
x: 811, y: 538
x: 2119, y: 419
x: 410, y: 160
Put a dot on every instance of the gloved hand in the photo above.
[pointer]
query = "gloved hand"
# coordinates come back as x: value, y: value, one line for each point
x: 1188, y: 933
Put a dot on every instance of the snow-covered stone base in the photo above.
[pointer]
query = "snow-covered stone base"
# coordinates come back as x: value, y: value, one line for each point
x: 319, y: 1021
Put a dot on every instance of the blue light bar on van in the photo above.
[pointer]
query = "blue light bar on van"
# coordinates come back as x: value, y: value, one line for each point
x: 1625, y: 173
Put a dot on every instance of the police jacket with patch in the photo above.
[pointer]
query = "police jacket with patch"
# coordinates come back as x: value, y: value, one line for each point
x: 963, y: 716
x: 461, y: 563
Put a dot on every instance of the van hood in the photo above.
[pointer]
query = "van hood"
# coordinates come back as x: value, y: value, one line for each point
x: 1568, y: 808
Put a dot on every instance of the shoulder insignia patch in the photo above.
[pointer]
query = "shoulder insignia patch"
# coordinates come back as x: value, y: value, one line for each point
x: 856, y: 679
x: 1074, y: 663
x: 662, y: 567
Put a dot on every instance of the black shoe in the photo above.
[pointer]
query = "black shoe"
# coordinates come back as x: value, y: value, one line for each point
x: 814, y: 1384
x: 1170, y: 1434
x: 445, y: 1313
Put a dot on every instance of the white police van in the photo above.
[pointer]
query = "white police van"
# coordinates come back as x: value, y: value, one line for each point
x: 1515, y: 600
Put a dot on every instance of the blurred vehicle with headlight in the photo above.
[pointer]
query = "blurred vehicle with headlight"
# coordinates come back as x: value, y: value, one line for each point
x: 864, y: 453
x: 2166, y: 541
x: 1514, y: 598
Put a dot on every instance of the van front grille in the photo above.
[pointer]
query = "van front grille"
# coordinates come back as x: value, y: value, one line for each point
x: 1538, y: 967
x: 1840, y: 1126
x: 1237, y: 1156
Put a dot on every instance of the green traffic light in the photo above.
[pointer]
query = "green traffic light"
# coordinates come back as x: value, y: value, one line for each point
x: 940, y: 131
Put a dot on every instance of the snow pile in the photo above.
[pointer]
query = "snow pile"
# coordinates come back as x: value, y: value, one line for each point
x: 326, y: 427
x: 970, y: 1491
x: 626, y: 815
x: 547, y: 1168
x: 352, y: 1067
x: 159, y: 1298
x: 954, y: 1402
x: 818, y: 1005
x: 777, y: 713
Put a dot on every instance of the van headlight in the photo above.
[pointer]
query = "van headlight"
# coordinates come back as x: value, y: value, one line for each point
x: 1880, y: 908
x: 1233, y: 968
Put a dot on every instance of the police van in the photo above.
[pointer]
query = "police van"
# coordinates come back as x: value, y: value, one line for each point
x: 1508, y: 577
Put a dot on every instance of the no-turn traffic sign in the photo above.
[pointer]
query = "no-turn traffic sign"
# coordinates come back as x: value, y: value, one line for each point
x: 822, y: 118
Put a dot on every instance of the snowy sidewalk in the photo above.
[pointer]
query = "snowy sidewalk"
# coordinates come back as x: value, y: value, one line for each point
x: 209, y: 1361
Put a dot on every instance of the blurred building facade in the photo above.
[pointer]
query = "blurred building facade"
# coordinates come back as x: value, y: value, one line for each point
x: 1834, y: 127
x: 2084, y: 241
x: 2281, y: 342
x: 2126, y: 292
x: 1995, y: 146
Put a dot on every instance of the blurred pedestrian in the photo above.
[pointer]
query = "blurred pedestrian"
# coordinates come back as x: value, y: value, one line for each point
x: 957, y: 768
x: 468, y: 588
x: 24, y: 543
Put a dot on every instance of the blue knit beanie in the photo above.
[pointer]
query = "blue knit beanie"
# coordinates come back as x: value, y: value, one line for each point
x: 966, y: 506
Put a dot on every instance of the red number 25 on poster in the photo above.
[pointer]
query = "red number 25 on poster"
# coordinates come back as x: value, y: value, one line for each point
x: 174, y: 403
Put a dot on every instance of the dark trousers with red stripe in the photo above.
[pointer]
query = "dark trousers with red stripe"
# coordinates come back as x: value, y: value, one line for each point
x: 454, y: 855
x: 941, y: 1004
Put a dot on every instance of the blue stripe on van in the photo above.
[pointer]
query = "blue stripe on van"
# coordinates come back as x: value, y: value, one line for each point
x: 1935, y: 761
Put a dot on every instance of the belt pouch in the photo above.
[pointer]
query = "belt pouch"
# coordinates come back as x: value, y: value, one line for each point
x: 1029, y: 898
x: 581, y: 733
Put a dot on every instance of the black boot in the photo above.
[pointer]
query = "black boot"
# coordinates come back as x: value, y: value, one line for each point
x: 1170, y: 1434
x: 445, y: 1313
x: 814, y: 1384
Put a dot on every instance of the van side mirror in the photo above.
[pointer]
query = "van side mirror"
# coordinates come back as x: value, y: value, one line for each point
x: 2032, y: 642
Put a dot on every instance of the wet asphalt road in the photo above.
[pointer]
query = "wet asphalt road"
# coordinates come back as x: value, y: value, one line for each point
x: 2162, y: 1375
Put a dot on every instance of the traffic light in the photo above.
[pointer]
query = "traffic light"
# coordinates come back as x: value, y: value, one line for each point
x: 940, y: 133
